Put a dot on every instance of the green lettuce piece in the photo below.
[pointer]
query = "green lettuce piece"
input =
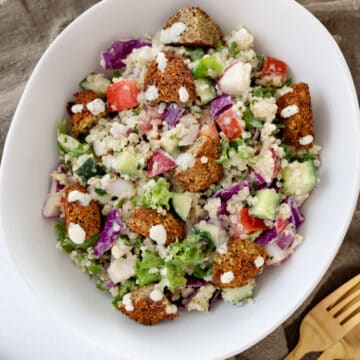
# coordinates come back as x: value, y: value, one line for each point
x: 124, y: 288
x: 238, y: 147
x: 156, y: 196
x: 142, y: 268
x: 185, y: 258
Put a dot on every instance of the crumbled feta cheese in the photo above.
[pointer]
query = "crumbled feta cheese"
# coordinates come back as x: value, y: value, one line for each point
x: 227, y: 277
x: 222, y: 248
x: 172, y: 34
x: 127, y: 301
x: 259, y: 261
x: 284, y: 211
x: 76, y: 233
x: 183, y: 94
x: 115, y: 252
x: 151, y: 93
x: 114, y: 291
x: 83, y: 198
x: 204, y: 159
x: 161, y: 60
x: 121, y: 269
x: 212, y: 206
x: 158, y: 234
x: 242, y: 37
x: 171, y: 309
x: 185, y: 161
x: 306, y: 140
x: 96, y: 107
x: 289, y: 111
x: 156, y: 295
x: 77, y: 108
x: 264, y: 109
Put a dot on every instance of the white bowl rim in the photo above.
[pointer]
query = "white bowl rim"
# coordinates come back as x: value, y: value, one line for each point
x: 11, y: 137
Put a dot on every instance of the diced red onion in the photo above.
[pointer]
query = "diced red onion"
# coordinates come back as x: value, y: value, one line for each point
x: 297, y: 218
x: 268, y: 237
x: 285, y: 240
x: 226, y: 194
x: 197, y: 283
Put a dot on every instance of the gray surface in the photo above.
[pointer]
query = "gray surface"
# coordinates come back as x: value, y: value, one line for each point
x: 28, y: 27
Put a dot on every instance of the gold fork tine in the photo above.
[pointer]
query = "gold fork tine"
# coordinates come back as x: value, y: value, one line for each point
x: 320, y: 328
x: 348, y: 313
x: 342, y: 305
x: 339, y: 294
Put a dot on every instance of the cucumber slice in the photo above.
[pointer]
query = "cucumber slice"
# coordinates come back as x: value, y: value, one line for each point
x: 169, y: 144
x: 299, y: 178
x: 182, y: 204
x: 97, y: 83
x: 70, y: 145
x: 266, y: 205
x: 126, y: 163
x: 204, y: 90
x: 212, y: 230
x: 237, y: 296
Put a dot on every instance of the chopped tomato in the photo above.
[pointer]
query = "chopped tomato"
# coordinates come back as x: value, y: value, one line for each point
x: 229, y: 124
x: 159, y: 163
x: 210, y: 131
x: 122, y: 95
x: 273, y: 66
x: 248, y: 224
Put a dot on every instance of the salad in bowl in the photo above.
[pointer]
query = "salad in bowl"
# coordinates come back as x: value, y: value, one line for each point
x: 182, y: 169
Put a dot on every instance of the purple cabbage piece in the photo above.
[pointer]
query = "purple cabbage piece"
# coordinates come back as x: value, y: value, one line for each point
x: 112, y: 229
x: 256, y: 180
x: 216, y: 297
x: 197, y: 283
x: 108, y: 284
x: 226, y: 194
x: 297, y: 218
x: 112, y: 58
x: 220, y: 104
x: 267, y: 237
x: 172, y: 114
x: 285, y: 240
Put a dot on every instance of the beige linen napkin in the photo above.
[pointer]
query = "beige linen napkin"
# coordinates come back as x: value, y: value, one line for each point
x: 28, y: 26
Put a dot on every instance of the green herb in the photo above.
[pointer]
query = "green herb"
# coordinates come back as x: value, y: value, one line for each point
x: 117, y: 73
x: 288, y: 82
x: 124, y: 288
x: 195, y: 53
x: 219, y: 46
x: 260, y: 62
x: 65, y: 244
x: 250, y: 120
x: 233, y: 49
x: 89, y: 169
x: 265, y: 91
x: 138, y: 109
x: 100, y: 192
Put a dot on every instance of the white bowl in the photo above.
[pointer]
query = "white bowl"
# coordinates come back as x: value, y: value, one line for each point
x: 282, y: 29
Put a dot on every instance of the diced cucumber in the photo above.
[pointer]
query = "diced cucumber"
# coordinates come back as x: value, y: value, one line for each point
x: 299, y: 178
x: 169, y: 144
x: 70, y: 145
x: 266, y: 204
x: 126, y: 163
x: 212, y: 230
x: 203, y: 65
x: 97, y: 83
x: 204, y: 90
x: 182, y: 204
x: 200, y: 302
x: 237, y: 296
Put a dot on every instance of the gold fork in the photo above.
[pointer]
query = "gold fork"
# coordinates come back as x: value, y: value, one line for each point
x: 330, y: 320
x: 346, y: 348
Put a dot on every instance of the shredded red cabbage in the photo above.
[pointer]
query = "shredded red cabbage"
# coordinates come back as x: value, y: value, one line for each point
x: 172, y: 114
x: 113, y: 57
x: 112, y: 229
x: 220, y: 104
x: 216, y: 297
x: 297, y: 218
x: 268, y: 237
x: 226, y: 194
